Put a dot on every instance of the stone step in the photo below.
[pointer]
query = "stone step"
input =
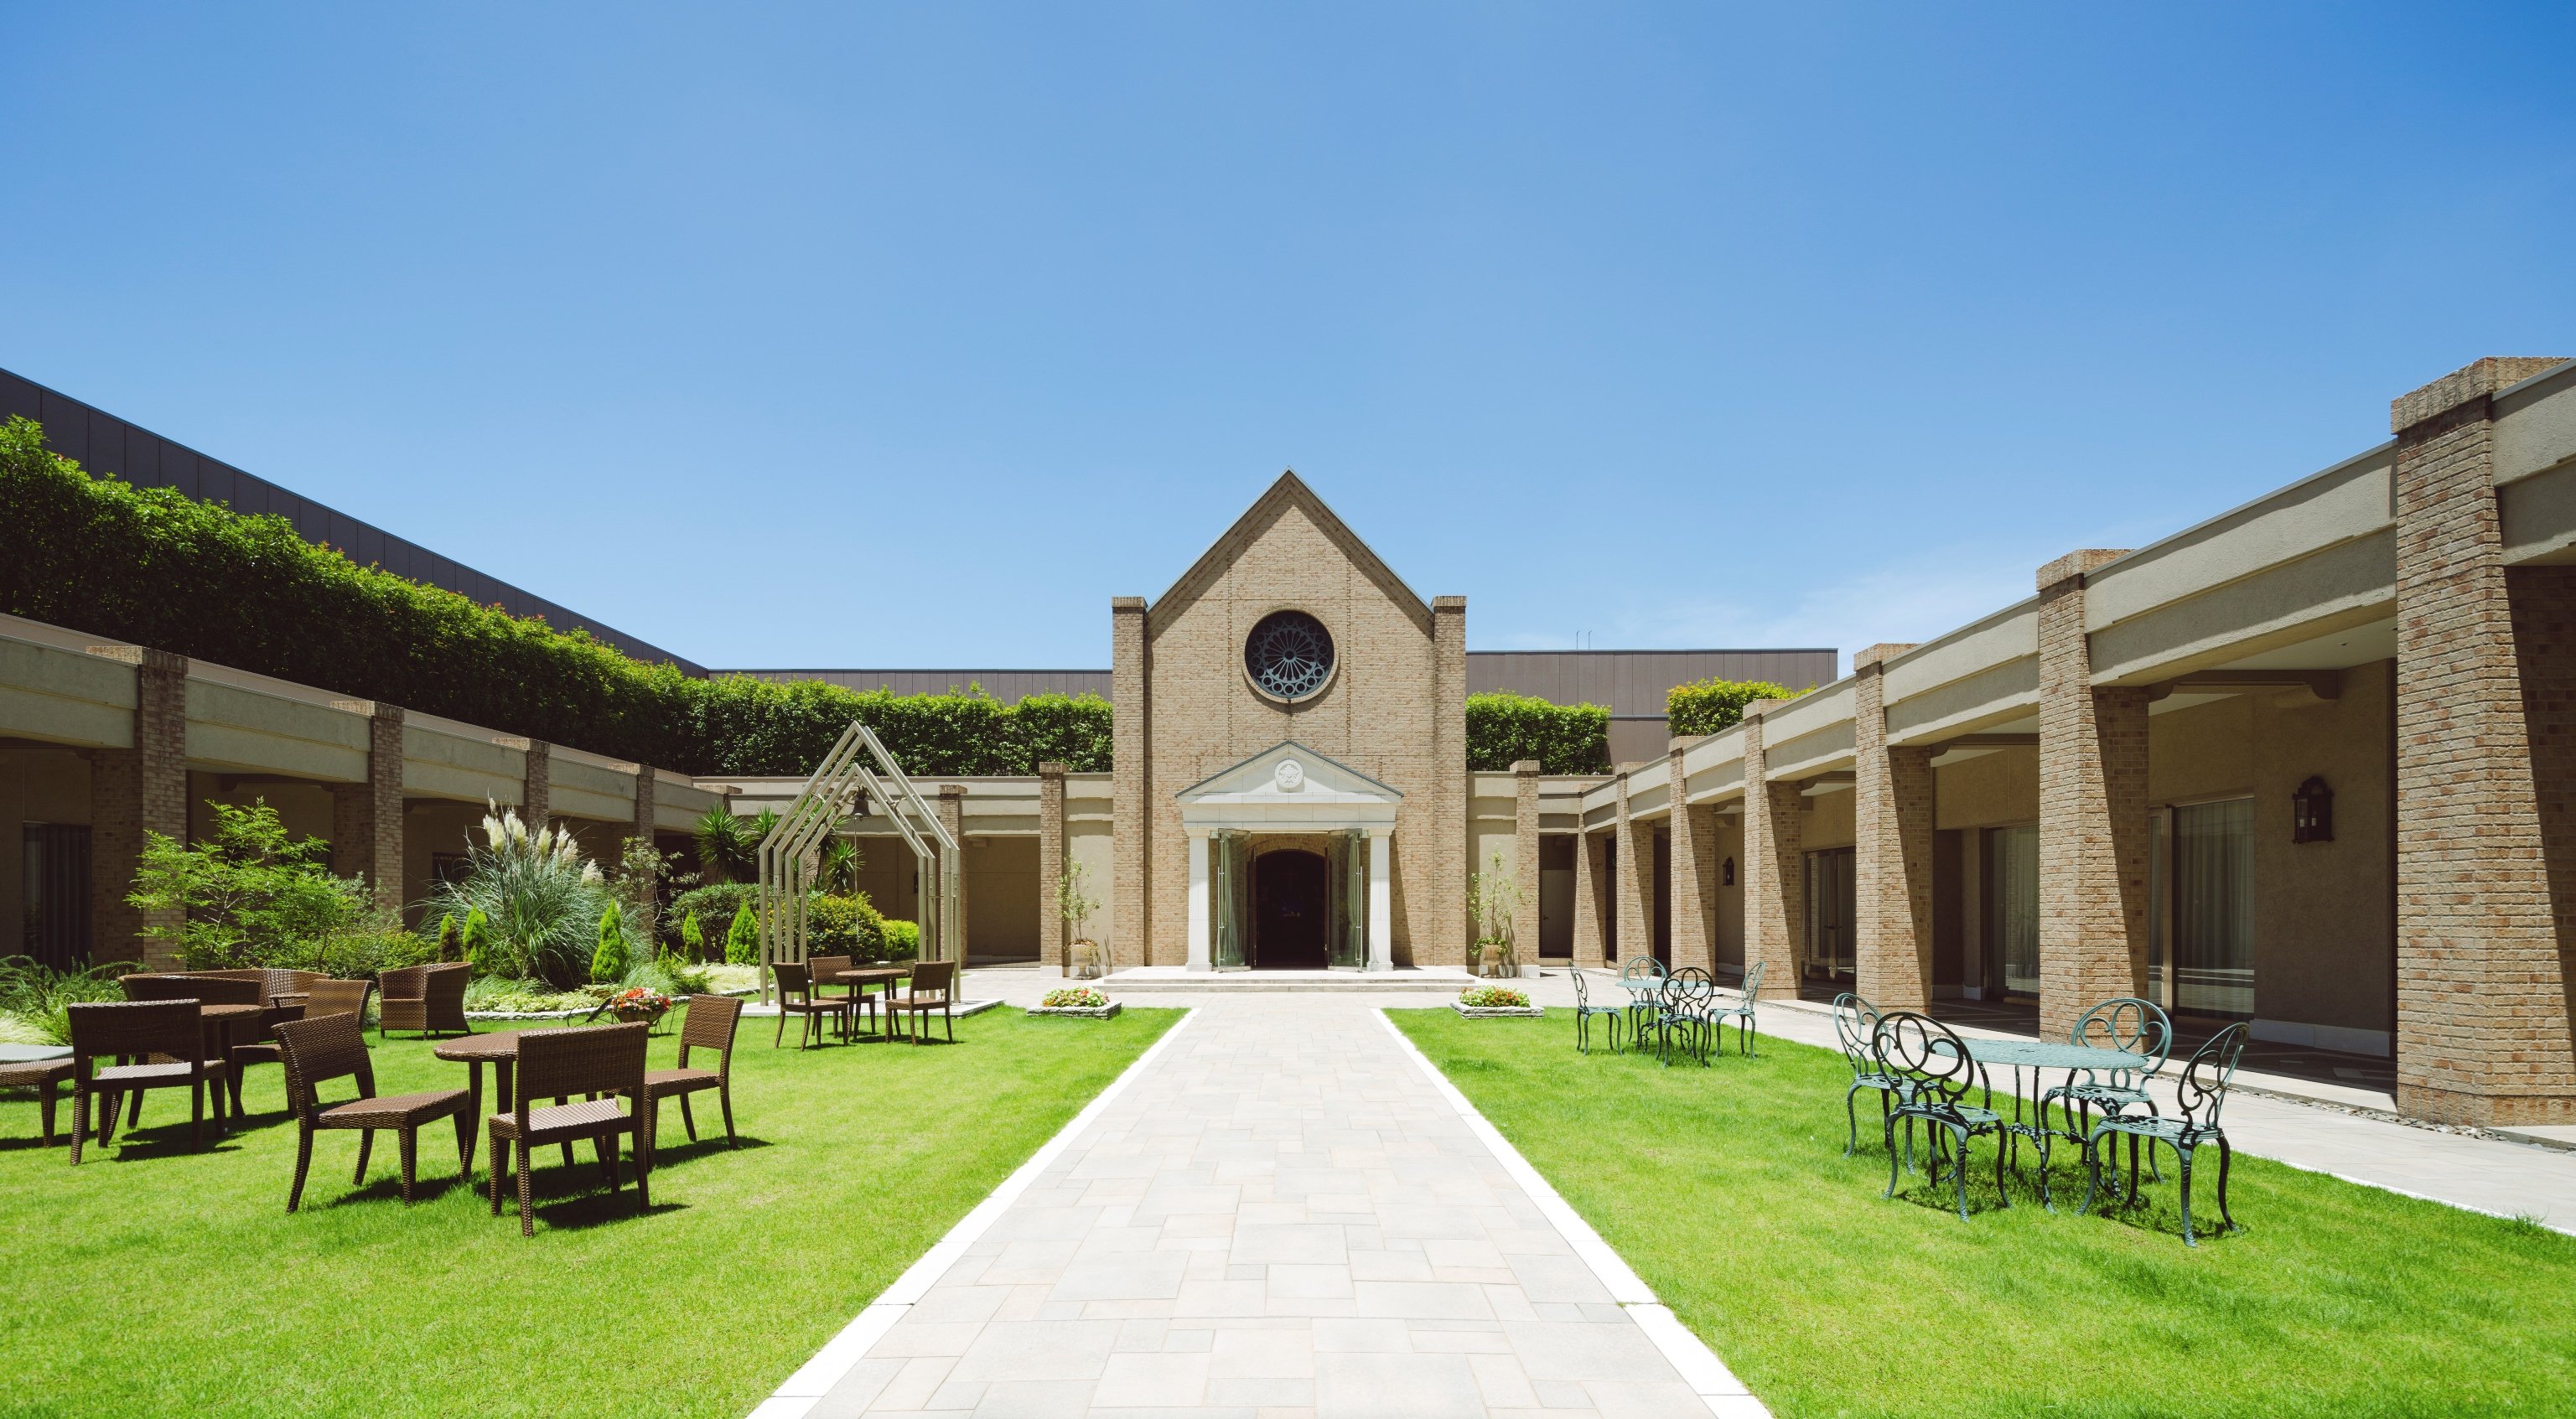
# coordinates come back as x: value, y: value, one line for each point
x: 1140, y: 980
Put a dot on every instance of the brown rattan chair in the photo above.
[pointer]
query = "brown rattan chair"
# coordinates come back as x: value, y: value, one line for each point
x: 205, y: 988
x: 595, y: 1060
x: 820, y: 970
x: 169, y: 1035
x: 426, y: 999
x: 932, y: 987
x: 43, y: 1076
x: 710, y: 1025
x: 797, y: 996
x: 337, y: 997
x: 334, y: 1046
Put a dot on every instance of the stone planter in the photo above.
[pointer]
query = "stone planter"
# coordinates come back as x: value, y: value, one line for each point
x: 1499, y: 1012
x: 1080, y: 1012
x: 1087, y: 961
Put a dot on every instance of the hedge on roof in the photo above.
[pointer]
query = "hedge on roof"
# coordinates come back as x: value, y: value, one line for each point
x: 1715, y: 706
x: 1565, y: 739
x: 158, y: 568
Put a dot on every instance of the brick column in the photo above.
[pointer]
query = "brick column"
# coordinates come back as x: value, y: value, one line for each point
x: 1588, y: 946
x: 1052, y: 943
x: 536, y: 801
x: 1632, y: 888
x: 952, y: 812
x: 2092, y: 812
x: 1774, y: 868
x: 1694, y: 829
x: 1131, y: 786
x: 1449, y: 859
x: 143, y: 788
x: 1525, y: 870
x: 1892, y: 870
x: 2486, y: 758
x: 367, y: 818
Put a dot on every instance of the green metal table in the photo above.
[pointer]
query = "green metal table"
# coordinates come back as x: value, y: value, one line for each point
x: 2036, y: 1056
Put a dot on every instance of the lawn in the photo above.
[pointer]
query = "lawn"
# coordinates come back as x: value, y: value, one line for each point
x: 156, y: 1280
x: 1727, y: 1190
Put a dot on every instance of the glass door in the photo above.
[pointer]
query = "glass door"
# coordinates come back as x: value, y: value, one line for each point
x: 1346, y: 902
x: 1227, y: 918
x: 1831, y: 898
x: 2212, y: 915
x: 2012, y: 908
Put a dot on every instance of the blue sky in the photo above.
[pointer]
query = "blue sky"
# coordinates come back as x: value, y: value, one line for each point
x: 908, y: 336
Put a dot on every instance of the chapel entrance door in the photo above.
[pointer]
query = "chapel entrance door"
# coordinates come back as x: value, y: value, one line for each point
x: 1290, y: 901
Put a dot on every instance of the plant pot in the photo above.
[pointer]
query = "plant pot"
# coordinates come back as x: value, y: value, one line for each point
x: 1085, y: 960
x: 1493, y: 959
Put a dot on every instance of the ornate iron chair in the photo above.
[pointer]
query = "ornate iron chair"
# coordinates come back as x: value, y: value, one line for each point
x: 1855, y: 1023
x: 1585, y: 1010
x: 1643, y: 978
x: 1736, y: 1006
x: 1934, y: 1074
x: 2125, y: 1023
x: 1684, y: 1009
x: 2202, y: 1092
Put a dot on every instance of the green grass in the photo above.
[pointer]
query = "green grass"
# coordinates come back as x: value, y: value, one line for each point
x: 1727, y: 1190
x: 156, y: 1280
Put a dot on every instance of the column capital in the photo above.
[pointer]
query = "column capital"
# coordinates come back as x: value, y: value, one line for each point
x: 1873, y: 659
x: 1052, y: 769
x: 2077, y: 565
x: 2469, y: 384
x: 1526, y: 768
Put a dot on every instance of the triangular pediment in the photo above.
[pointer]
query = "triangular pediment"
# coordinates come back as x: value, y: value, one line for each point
x: 1266, y: 780
x: 1289, y: 492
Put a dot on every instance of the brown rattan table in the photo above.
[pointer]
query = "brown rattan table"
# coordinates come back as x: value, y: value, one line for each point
x: 499, y: 1048
x: 864, y: 976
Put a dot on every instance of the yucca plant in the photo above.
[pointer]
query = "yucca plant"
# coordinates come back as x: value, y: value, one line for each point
x: 727, y: 852
x: 838, y: 872
x: 540, y: 899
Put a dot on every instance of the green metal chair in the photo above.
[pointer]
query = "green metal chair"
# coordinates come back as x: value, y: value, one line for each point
x: 1643, y: 978
x: 1683, y: 1009
x: 1585, y: 1011
x: 2124, y: 1023
x: 1855, y: 1022
x: 1737, y: 1007
x: 1934, y: 1075
x: 2201, y: 1092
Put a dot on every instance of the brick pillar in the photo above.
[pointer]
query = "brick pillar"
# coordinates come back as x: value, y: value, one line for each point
x: 536, y: 801
x: 1775, y: 867
x: 1694, y: 829
x: 952, y: 812
x: 1448, y: 860
x: 136, y: 790
x: 1588, y: 874
x: 1892, y: 871
x: 647, y: 814
x: 2092, y: 812
x: 367, y: 818
x: 1525, y: 870
x: 2486, y: 757
x: 1053, y: 945
x: 1131, y: 785
x: 1632, y: 888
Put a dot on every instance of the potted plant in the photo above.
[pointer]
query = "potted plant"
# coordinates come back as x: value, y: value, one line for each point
x: 1075, y: 902
x: 1494, y: 900
x: 639, y: 1003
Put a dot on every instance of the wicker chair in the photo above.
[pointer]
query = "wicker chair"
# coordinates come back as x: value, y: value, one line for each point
x: 334, y: 1046
x: 932, y: 987
x: 263, y: 988
x: 820, y: 970
x: 427, y: 999
x: 206, y: 988
x: 168, y: 1033
x: 337, y: 997
x: 710, y: 1025
x: 597, y: 1060
x: 797, y: 996
x: 43, y: 1076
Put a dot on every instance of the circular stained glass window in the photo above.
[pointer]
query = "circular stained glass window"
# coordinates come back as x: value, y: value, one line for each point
x: 1289, y: 655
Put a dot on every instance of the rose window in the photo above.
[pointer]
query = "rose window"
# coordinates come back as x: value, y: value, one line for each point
x: 1289, y: 655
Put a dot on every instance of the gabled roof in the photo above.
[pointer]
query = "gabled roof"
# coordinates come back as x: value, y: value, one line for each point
x: 1290, y: 491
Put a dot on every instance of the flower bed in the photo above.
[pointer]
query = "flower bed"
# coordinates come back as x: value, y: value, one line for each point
x: 1080, y: 1001
x: 1493, y: 1002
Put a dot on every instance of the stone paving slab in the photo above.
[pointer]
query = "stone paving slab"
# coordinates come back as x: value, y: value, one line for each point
x: 1279, y: 1217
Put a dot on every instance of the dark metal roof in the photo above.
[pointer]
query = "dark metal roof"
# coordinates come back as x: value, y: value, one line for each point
x: 104, y: 443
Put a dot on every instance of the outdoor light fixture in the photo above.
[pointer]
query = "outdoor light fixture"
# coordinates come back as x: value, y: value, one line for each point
x: 1726, y: 873
x: 2312, y: 812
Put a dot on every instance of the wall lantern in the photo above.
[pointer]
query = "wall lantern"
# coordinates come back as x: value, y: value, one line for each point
x: 1726, y: 873
x: 2312, y: 812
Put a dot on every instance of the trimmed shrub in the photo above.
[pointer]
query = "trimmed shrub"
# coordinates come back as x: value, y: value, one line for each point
x: 1715, y: 706
x: 476, y: 938
x: 716, y: 902
x: 742, y: 939
x: 608, y: 959
x: 902, y: 940
x: 1565, y: 739
x: 844, y: 926
x: 693, y: 938
x: 154, y: 566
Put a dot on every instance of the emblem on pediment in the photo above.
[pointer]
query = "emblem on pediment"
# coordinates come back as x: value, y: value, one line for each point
x: 1289, y: 776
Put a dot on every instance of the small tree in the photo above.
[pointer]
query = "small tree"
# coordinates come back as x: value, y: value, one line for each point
x: 248, y: 895
x: 693, y: 938
x: 837, y: 870
x: 1494, y: 900
x: 608, y: 961
x: 1074, y: 900
x: 450, y: 943
x: 742, y: 939
x: 475, y: 937
x: 726, y: 850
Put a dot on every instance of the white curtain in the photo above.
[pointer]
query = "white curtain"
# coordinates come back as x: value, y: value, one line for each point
x: 2213, y: 911
x: 2012, y: 905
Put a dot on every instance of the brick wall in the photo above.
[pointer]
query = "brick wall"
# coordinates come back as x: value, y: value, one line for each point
x: 1774, y: 871
x: 1131, y: 783
x: 132, y: 791
x: 367, y: 818
x: 2486, y: 753
x: 1633, y: 891
x: 1053, y: 947
x: 1589, y: 878
x: 1525, y: 858
x: 1694, y: 873
x: 1892, y: 847
x: 2092, y: 812
x: 536, y: 799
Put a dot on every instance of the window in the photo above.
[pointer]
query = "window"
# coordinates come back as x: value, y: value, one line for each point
x: 56, y: 859
x: 1289, y: 655
x: 2012, y: 909
x: 1832, y: 904
x: 2201, y: 909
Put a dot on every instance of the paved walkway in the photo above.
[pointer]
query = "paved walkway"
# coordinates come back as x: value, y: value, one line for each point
x: 1280, y: 1217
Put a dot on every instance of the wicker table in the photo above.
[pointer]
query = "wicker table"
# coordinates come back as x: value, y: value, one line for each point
x: 501, y: 1049
x: 860, y: 979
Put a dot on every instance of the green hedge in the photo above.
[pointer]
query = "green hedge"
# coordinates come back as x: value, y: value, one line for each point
x: 1714, y: 706
x: 1565, y: 739
x: 156, y: 567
